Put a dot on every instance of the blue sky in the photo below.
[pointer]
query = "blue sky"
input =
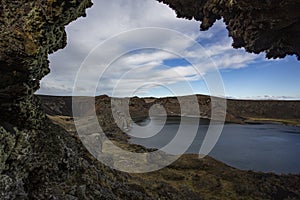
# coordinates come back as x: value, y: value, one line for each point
x: 266, y: 78
x: 150, y: 72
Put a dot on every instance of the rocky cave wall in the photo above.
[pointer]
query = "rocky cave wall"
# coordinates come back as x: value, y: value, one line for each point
x: 29, y: 145
x: 30, y: 31
x: 271, y: 26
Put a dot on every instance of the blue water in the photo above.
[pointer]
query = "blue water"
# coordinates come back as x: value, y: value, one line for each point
x: 260, y: 147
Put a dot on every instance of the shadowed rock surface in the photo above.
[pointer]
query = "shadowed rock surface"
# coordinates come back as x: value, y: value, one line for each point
x: 271, y: 26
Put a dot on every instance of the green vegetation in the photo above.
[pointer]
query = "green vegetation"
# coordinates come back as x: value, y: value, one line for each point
x: 292, y: 122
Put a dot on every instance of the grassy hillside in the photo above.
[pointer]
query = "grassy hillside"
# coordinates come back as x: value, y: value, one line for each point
x: 238, y: 111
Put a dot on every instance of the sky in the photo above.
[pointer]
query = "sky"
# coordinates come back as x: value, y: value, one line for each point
x: 113, y: 51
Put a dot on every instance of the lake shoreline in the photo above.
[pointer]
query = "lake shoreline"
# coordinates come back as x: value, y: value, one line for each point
x: 260, y: 132
x: 207, y: 176
x: 204, y: 120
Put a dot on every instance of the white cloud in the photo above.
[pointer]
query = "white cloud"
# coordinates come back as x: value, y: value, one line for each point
x: 108, y: 18
x: 266, y: 97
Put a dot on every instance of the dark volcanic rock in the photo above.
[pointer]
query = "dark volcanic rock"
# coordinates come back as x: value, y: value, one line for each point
x: 29, y: 31
x: 259, y: 26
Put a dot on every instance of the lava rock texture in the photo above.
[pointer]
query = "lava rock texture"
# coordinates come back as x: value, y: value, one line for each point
x: 271, y: 26
x: 30, y: 31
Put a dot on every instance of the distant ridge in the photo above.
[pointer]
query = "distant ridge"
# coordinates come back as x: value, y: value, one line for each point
x: 238, y: 111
